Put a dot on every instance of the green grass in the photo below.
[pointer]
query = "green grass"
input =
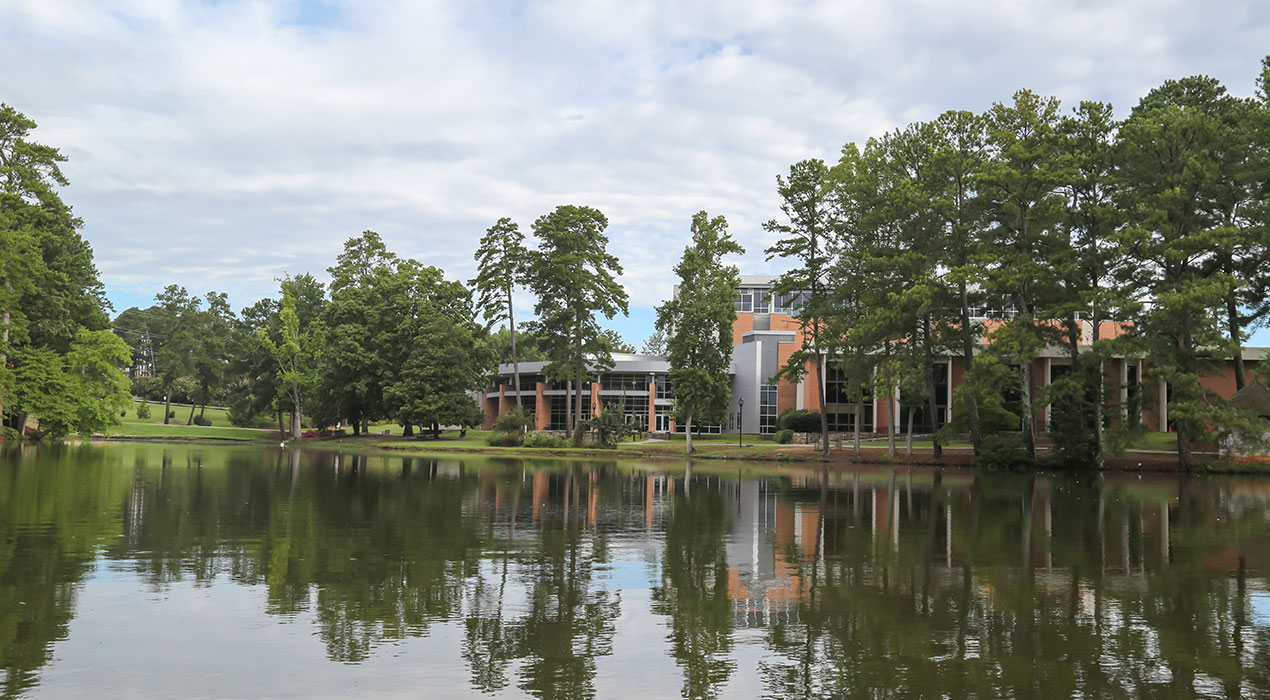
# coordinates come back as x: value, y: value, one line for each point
x: 1154, y: 441
x: 188, y: 431
x: 218, y: 416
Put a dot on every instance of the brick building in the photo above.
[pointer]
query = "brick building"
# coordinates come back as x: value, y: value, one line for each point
x: 764, y: 336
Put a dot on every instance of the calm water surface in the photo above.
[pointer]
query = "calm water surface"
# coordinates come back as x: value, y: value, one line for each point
x: 168, y: 572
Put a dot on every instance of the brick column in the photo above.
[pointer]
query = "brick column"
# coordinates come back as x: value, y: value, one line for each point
x: 595, y: 399
x: 542, y: 407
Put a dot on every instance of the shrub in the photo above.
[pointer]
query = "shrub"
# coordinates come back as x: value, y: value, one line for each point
x: 610, y: 427
x: 504, y: 440
x: 171, y: 414
x: 202, y: 420
x: 143, y: 411
x: 513, y: 421
x: 783, y: 437
x: 799, y: 421
x: 1001, y: 451
x: 545, y: 442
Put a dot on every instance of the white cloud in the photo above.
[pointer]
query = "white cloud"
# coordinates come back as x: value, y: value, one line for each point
x: 217, y: 144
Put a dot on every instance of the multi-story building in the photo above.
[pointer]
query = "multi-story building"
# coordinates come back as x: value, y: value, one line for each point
x: 765, y: 335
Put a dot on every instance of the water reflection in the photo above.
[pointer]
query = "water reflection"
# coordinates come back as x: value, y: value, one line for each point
x: 574, y: 580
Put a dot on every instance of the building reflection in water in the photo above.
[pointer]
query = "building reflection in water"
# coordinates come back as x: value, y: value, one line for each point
x: 860, y: 583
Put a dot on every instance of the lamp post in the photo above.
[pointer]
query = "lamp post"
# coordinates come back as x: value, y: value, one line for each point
x: 740, y: 423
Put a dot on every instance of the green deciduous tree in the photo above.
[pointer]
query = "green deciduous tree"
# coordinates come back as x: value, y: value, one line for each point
x: 446, y: 365
x: 698, y: 323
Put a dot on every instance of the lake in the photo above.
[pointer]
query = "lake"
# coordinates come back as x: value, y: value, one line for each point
x: 159, y: 571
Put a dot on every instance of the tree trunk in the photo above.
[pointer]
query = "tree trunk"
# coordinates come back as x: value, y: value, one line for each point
x: 908, y: 447
x: 4, y: 346
x: 857, y: 411
x: 357, y: 426
x: 408, y: 430
x: 968, y: 353
x: 1232, y: 319
x: 820, y: 389
x: 568, y: 407
x: 436, y: 430
x: 202, y: 411
x: 190, y: 420
x: 580, y: 397
x: 890, y: 407
x: 167, y: 407
x: 688, y: 431
x: 937, y: 450
x: 1029, y: 418
x: 365, y: 424
x: 511, y: 325
x: 297, y: 431
x: 282, y: 429
x: 1099, y: 388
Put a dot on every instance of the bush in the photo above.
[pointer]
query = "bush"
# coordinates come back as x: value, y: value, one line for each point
x: 1001, y: 451
x: 513, y: 421
x: 202, y: 420
x: 143, y: 411
x: 799, y: 421
x: 504, y: 440
x: 545, y: 442
x: 783, y: 437
x: 171, y: 414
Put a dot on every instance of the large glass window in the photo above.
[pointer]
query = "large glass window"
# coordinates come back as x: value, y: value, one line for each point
x: 844, y: 422
x: 634, y: 409
x: 744, y: 301
x: 625, y: 381
x: 559, y: 411
x: 663, y: 386
x: 767, y: 409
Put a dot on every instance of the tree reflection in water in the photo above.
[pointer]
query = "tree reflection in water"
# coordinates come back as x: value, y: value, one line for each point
x: 860, y: 584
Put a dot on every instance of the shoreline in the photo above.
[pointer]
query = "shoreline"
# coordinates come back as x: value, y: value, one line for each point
x: 1130, y: 461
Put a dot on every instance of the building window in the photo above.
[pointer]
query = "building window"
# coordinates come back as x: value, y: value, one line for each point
x: 699, y: 429
x: 767, y: 409
x: 634, y: 410
x: 559, y: 411
x: 840, y: 422
x: 663, y: 387
x: 744, y: 302
x: 636, y: 383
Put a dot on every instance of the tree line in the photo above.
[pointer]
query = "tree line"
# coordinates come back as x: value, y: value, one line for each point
x: 1028, y: 227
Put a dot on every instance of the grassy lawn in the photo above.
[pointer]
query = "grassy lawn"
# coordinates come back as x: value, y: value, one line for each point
x: 218, y: 416
x: 188, y: 431
x: 1154, y: 441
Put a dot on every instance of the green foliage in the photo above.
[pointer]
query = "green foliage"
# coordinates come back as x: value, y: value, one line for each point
x: 799, y: 420
x: 500, y: 439
x: 83, y: 391
x: 784, y: 436
x: 545, y: 442
x: 513, y: 421
x: 698, y: 323
x: 143, y: 411
x: 1002, y: 451
x: 147, y: 388
x: 610, y: 427
x: 574, y: 278
x: 202, y: 421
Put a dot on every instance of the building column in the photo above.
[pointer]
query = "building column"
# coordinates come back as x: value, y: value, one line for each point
x: 652, y: 406
x: 598, y: 407
x: 542, y: 407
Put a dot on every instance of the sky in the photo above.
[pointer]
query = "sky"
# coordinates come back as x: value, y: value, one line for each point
x: 221, y: 144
